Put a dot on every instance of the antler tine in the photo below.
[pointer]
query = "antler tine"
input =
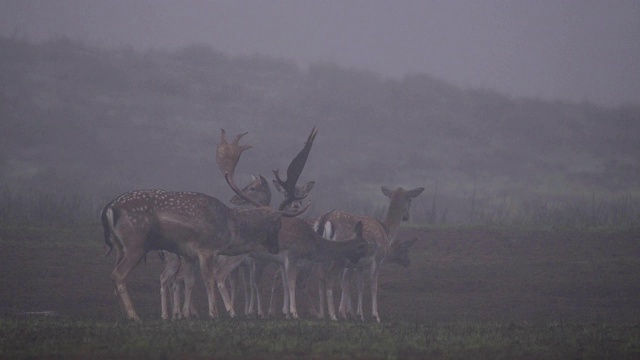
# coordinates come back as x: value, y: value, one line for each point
x: 228, y: 155
x: 294, y: 170
x: 238, y: 137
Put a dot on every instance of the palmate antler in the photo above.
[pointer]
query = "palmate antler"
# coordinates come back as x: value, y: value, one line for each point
x: 293, y: 172
x: 228, y: 155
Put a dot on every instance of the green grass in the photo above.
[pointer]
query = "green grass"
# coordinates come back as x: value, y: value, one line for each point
x: 471, y: 292
x: 276, y: 339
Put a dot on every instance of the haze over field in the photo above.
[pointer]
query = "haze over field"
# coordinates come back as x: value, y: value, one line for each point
x: 551, y: 49
x: 501, y: 107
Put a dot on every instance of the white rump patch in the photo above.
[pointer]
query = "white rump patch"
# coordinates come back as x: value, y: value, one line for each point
x: 329, y: 231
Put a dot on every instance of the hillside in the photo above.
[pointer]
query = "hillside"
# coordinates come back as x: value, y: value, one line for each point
x: 77, y: 118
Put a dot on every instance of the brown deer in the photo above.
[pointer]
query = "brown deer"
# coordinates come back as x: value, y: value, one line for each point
x: 252, y: 268
x: 382, y: 233
x: 398, y: 254
x: 181, y: 268
x: 299, y: 243
x: 193, y: 225
x: 178, y: 277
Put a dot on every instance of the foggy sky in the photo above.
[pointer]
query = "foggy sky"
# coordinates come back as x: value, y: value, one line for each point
x: 566, y: 49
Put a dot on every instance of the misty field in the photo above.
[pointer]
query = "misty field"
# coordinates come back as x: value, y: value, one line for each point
x: 471, y: 292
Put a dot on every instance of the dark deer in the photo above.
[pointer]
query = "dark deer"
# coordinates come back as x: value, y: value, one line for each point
x: 193, y: 225
x: 300, y: 247
x: 383, y: 234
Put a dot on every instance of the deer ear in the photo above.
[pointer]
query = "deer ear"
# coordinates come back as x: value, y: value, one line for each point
x: 386, y: 191
x: 263, y: 181
x: 306, y: 188
x: 415, y: 192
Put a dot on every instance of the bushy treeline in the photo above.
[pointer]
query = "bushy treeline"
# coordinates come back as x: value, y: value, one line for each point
x: 45, y: 208
x: 111, y: 120
x: 39, y: 208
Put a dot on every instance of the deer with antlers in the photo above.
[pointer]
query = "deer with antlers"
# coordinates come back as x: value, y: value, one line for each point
x: 195, y: 226
x: 383, y: 234
x: 299, y: 243
x: 253, y: 267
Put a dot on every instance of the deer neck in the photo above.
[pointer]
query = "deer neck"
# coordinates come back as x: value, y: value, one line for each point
x: 393, y: 219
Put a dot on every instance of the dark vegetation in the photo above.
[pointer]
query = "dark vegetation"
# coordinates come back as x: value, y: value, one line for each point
x: 89, y: 122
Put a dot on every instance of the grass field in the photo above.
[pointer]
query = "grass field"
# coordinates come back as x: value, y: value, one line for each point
x: 469, y: 293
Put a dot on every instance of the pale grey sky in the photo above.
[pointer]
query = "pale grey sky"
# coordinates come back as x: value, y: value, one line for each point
x: 566, y: 49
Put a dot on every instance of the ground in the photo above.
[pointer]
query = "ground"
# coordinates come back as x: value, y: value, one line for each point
x: 457, y: 274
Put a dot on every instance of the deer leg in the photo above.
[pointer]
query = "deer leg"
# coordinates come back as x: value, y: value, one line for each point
x: 233, y: 282
x: 119, y: 276
x: 224, y: 266
x: 345, y: 298
x: 225, y: 297
x: 188, y: 271
x: 274, y: 287
x: 255, y: 278
x: 167, y: 283
x: 286, y: 299
x: 177, y: 291
x: 292, y: 275
x: 249, y: 300
x: 251, y: 296
x: 332, y: 276
x: 330, y: 305
x: 360, y: 285
x: 375, y: 271
x: 321, y: 293
x: 323, y: 275
x: 209, y: 279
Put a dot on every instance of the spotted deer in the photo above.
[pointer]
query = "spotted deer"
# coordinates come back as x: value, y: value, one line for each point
x: 383, y: 234
x: 301, y: 247
x: 181, y: 269
x: 196, y: 226
x: 252, y: 268
x: 300, y: 244
x: 178, y: 277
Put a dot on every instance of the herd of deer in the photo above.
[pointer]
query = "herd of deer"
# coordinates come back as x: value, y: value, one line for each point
x: 191, y: 229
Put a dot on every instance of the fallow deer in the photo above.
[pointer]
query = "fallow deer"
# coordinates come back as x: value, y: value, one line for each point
x: 383, y: 233
x: 399, y: 254
x: 300, y: 246
x: 179, y: 275
x: 227, y: 156
x: 193, y: 225
x: 252, y: 268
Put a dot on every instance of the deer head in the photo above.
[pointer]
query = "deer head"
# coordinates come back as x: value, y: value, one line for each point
x: 258, y: 189
x: 400, y: 200
x: 228, y: 155
x: 400, y: 252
